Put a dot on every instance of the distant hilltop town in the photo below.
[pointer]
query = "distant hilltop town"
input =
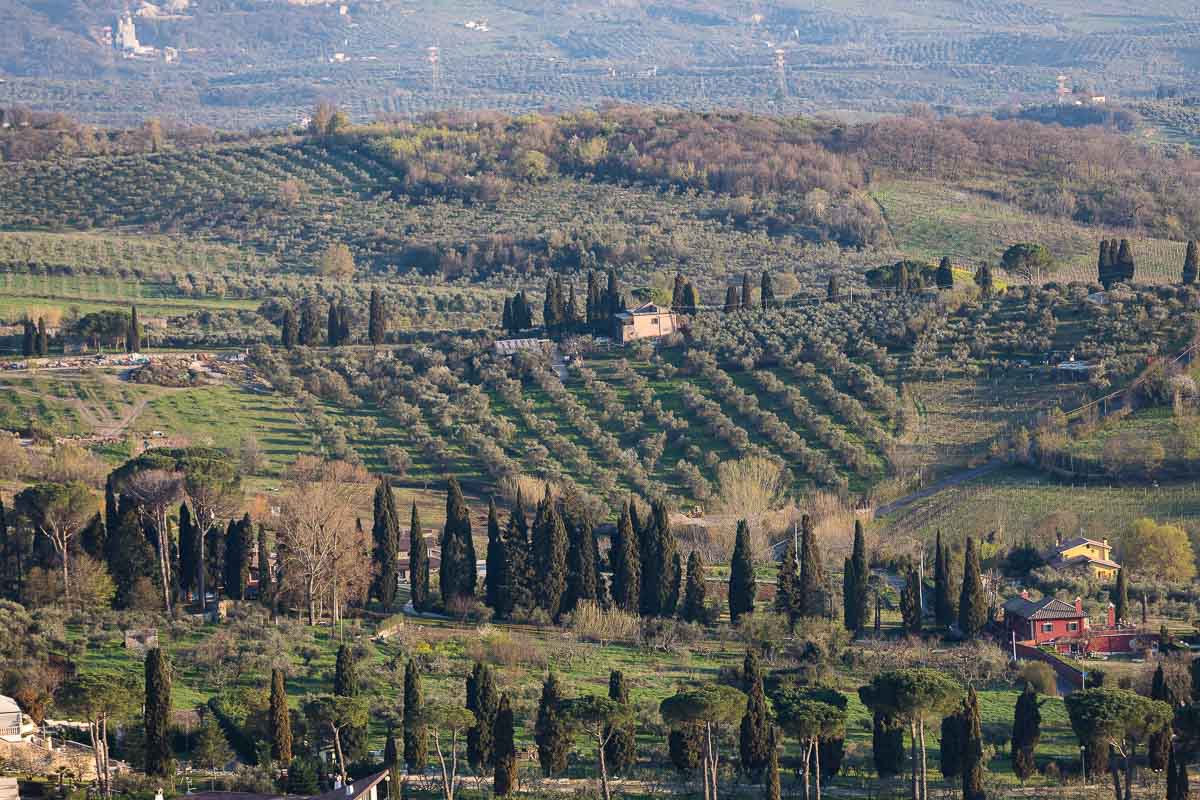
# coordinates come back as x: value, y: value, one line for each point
x: 123, y: 38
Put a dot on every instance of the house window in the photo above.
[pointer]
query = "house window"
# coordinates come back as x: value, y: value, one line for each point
x: 654, y: 321
x: 1047, y: 627
x: 1072, y: 626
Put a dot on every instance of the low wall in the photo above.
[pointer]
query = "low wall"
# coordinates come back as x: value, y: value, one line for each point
x: 1068, y: 673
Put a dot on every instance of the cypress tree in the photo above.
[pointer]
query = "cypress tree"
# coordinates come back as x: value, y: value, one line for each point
x: 493, y: 581
x: 1191, y: 264
x: 1103, y: 271
x: 549, y: 549
x: 43, y: 338
x: 385, y: 531
x: 483, y: 701
x: 1177, y: 777
x: 28, y: 343
x: 677, y: 293
x: 516, y: 583
x: 551, y: 732
x: 910, y: 603
x: 787, y: 584
x: 694, y: 592
x: 771, y: 787
x: 1026, y: 731
x: 266, y: 592
x: 133, y: 336
x: 747, y: 292
x: 414, y: 731
x: 945, y: 274
x: 332, y: 326
x: 691, y: 299
x: 733, y: 300
x: 973, y: 750
x: 457, y: 569
x: 345, y: 673
x: 129, y: 554
x: 972, y: 605
x: 810, y: 589
x: 418, y: 562
x: 1125, y: 262
x: 954, y: 739
x: 583, y: 574
x: 742, y: 587
x: 616, y: 299
x: 767, y: 291
x: 620, y: 752
x: 310, y: 323
x: 1121, y: 596
x: 672, y: 602
x: 506, y: 318
x: 289, y: 329
x: 862, y: 576
x: 376, y: 321
x: 237, y: 559
x: 592, y: 305
x: 280, y: 720
x: 504, y: 779
x: 1159, y: 744
x: 833, y: 289
x: 658, y: 551
x: 624, y: 562
x: 887, y: 745
x: 941, y: 585
x: 157, y: 715
x: 754, y: 741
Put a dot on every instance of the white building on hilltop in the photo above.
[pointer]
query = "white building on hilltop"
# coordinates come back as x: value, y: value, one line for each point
x: 14, y: 726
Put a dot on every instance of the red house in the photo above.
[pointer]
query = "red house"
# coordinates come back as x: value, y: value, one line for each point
x: 1044, y: 621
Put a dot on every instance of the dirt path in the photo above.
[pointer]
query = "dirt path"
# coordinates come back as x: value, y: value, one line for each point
x: 104, y: 424
x: 938, y: 486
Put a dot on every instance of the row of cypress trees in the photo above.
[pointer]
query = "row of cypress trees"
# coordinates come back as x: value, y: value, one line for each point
x: 303, y: 328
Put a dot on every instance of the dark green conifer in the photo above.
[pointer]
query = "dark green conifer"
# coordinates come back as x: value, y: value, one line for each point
x: 549, y: 549
x: 810, y: 589
x: 657, y: 556
x: 1121, y: 597
x: 620, y: 752
x: 787, y: 584
x: 941, y: 585
x: 237, y: 558
x: 677, y: 293
x: 414, y: 729
x: 945, y: 274
x: 551, y: 732
x: 280, y: 720
x: 1191, y: 263
x: 685, y: 747
x: 910, y: 603
x: 43, y: 338
x: 493, y: 580
x: 625, y: 563
x: 771, y: 787
x: 691, y: 299
x: 457, y: 572
x: 754, y: 741
x: 953, y: 740
x: 861, y: 579
x: 583, y: 574
x: 742, y: 587
x: 767, y: 291
x: 695, y: 594
x: 1158, y: 746
x: 972, y: 767
x: 376, y: 321
x: 1125, y: 267
x: 133, y: 336
x: 385, y: 532
x: 733, y: 301
x: 516, y: 583
x: 29, y: 339
x: 504, y: 778
x: 159, y: 762
x: 747, y: 300
x: 483, y: 701
x: 972, y: 603
x: 418, y: 562
x: 1177, y: 776
x: 1026, y: 731
x: 289, y: 329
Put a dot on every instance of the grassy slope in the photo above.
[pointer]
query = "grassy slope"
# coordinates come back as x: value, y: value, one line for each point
x: 928, y: 222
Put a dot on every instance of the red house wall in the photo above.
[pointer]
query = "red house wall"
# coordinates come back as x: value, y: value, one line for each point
x: 1058, y: 628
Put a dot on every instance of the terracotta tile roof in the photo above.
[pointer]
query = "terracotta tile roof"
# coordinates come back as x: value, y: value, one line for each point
x: 1046, y: 608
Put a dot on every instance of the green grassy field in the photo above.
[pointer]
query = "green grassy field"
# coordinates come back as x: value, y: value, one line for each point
x: 146, y: 253
x: 23, y: 294
x: 1013, y: 502
x: 927, y: 221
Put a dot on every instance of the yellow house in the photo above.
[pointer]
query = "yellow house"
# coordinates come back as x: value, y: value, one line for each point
x: 1085, y: 554
x: 647, y: 321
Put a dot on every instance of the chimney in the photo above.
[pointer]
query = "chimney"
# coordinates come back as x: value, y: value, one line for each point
x: 1078, y: 605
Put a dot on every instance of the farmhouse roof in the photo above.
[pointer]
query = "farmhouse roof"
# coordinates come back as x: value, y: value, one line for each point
x: 8, y: 705
x: 1046, y: 608
x: 644, y: 308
